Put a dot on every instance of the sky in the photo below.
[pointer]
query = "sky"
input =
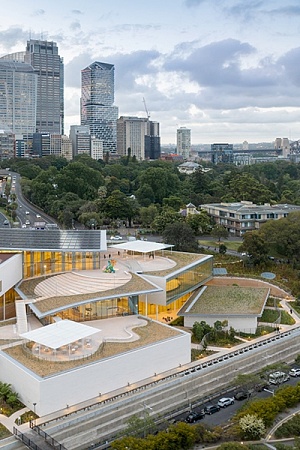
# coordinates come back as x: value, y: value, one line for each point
x: 226, y: 69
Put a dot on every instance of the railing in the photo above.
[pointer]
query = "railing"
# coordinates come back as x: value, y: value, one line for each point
x: 29, y: 439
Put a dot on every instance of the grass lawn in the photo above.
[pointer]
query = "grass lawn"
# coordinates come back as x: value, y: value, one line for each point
x: 4, y: 432
x: 231, y: 245
x: 270, y: 315
x: 229, y: 300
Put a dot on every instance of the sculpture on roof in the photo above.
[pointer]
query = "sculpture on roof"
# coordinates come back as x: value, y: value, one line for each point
x: 109, y: 268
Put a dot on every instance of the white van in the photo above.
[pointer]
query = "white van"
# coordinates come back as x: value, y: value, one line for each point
x: 278, y: 377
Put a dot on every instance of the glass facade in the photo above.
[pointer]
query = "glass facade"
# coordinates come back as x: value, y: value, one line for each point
x: 18, y: 97
x: 37, y: 263
x: 188, y: 280
x: 97, y: 98
x: 44, y: 58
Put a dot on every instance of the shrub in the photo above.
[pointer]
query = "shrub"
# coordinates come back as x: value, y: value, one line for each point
x: 252, y: 426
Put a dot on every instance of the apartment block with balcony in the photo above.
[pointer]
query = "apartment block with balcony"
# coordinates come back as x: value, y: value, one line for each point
x: 244, y: 216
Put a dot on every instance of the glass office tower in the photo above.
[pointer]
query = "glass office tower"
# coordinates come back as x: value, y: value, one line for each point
x: 44, y: 58
x: 97, y: 98
x: 18, y: 91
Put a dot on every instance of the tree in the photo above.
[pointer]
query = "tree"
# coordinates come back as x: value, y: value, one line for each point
x: 222, y: 249
x: 256, y: 247
x: 219, y: 232
x: 200, y: 223
x: 147, y: 215
x: 252, y: 426
x: 200, y: 329
x: 181, y: 236
x: 166, y: 217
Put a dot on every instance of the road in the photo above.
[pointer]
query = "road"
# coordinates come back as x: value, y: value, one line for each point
x: 27, y: 214
x: 225, y: 414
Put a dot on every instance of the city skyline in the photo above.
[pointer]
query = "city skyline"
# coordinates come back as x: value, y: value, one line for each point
x: 225, y: 70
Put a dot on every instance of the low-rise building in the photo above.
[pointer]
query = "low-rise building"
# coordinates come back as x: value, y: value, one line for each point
x: 240, y: 217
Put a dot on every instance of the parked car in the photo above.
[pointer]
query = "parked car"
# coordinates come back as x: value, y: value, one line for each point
x: 295, y: 372
x: 116, y: 238
x: 241, y: 395
x: 27, y: 222
x: 194, y: 416
x: 27, y: 213
x: 6, y: 222
x: 225, y: 401
x: 211, y: 409
x: 278, y: 377
x: 38, y: 216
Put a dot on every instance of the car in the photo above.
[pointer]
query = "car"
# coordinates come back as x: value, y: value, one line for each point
x: 6, y: 222
x: 211, y: 409
x: 38, y: 216
x: 225, y: 401
x: 295, y: 372
x: 241, y: 395
x: 27, y: 222
x: 27, y: 213
x: 194, y: 416
x: 116, y: 238
x: 24, y: 225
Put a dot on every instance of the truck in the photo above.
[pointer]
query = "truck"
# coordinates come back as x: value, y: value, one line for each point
x: 278, y: 377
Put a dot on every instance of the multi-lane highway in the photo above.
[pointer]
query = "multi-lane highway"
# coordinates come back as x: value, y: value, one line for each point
x: 28, y: 216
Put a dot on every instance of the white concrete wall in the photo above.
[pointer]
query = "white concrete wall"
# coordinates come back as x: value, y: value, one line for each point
x: 245, y: 323
x: 11, y: 272
x: 157, y: 298
x: 54, y: 393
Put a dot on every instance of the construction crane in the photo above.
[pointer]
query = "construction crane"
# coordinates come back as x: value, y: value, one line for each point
x: 147, y: 112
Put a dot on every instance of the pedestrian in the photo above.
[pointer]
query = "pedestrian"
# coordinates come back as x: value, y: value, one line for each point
x: 291, y: 311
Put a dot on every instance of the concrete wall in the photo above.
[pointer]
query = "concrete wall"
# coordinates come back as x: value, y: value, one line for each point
x: 245, y: 323
x: 157, y: 298
x: 56, y: 392
x: 11, y: 272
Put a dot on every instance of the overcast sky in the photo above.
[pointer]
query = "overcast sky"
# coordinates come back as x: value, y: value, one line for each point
x: 227, y: 69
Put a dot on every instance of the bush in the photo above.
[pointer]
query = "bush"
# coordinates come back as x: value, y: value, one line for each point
x: 291, y: 428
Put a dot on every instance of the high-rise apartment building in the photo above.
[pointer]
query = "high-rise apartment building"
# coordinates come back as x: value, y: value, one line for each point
x: 152, y: 141
x: 18, y: 96
x: 140, y: 135
x: 184, y: 142
x: 44, y: 58
x: 97, y: 99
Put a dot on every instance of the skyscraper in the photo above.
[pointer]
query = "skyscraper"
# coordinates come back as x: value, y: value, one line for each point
x: 44, y: 58
x: 184, y: 142
x: 97, y: 98
x: 18, y: 97
x: 141, y: 135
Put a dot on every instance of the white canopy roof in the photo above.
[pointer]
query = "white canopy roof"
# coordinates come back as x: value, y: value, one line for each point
x: 59, y: 333
x: 142, y: 246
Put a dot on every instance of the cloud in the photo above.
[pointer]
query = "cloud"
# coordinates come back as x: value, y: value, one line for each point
x: 76, y: 11
x: 215, y: 64
x: 38, y: 12
x: 13, y: 36
x: 75, y: 26
x: 192, y: 3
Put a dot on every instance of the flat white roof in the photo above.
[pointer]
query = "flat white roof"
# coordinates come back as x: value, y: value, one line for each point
x: 60, y: 333
x: 141, y: 246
